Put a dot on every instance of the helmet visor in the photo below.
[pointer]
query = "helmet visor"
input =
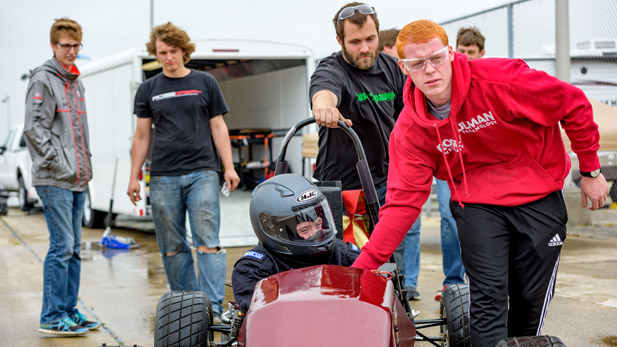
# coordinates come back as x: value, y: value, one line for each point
x: 309, y: 225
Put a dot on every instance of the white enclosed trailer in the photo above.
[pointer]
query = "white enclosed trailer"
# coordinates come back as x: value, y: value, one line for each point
x: 265, y: 85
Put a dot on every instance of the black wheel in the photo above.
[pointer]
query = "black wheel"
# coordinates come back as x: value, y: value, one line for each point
x: 454, y: 307
x: 531, y: 341
x: 92, y: 218
x: 24, y: 202
x: 182, y: 319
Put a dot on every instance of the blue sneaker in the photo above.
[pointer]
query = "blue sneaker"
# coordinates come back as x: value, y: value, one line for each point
x: 63, y: 327
x: 81, y: 319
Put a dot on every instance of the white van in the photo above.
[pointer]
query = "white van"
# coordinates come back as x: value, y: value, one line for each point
x: 265, y: 85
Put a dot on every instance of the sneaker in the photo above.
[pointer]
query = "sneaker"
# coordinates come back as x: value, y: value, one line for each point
x: 439, y: 294
x: 412, y: 293
x: 63, y: 327
x: 80, y: 319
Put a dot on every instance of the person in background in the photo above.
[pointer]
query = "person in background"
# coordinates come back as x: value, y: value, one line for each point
x: 295, y: 230
x: 470, y: 41
x: 450, y: 249
x: 186, y: 107
x: 56, y: 134
x: 387, y: 41
x: 481, y: 126
x: 362, y: 87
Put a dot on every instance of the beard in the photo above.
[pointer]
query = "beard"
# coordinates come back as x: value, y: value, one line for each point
x: 362, y: 64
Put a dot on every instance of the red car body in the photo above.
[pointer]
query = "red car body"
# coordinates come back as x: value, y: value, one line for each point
x: 326, y: 305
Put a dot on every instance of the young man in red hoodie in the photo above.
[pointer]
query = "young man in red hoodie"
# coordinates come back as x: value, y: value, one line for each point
x: 490, y: 127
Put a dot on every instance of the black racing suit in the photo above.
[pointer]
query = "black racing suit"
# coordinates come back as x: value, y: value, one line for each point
x: 259, y: 263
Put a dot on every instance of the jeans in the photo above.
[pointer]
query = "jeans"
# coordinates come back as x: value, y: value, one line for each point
x: 172, y: 197
x: 63, y: 211
x: 450, y: 247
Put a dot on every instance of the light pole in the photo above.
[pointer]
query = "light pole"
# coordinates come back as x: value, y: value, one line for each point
x: 7, y: 101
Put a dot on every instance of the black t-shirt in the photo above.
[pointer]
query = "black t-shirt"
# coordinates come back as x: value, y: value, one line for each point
x: 372, y: 99
x: 181, y: 109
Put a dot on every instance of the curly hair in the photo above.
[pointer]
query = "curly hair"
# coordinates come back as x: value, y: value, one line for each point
x: 420, y: 31
x: 65, y: 26
x: 172, y: 36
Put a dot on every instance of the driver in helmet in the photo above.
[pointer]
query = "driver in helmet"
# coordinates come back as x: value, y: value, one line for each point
x: 294, y: 225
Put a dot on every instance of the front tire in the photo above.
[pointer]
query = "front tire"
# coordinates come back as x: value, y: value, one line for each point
x: 24, y: 202
x: 182, y: 319
x: 454, y: 308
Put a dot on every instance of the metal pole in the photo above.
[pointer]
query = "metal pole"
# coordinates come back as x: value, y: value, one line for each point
x: 151, y: 14
x: 510, y: 31
x: 562, y: 40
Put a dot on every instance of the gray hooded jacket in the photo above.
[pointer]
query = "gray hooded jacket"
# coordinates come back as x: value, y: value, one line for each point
x: 56, y: 128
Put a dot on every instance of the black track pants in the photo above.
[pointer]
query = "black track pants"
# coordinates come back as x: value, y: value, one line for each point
x: 510, y: 253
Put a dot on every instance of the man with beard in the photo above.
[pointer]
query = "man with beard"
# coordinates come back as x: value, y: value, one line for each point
x: 362, y: 87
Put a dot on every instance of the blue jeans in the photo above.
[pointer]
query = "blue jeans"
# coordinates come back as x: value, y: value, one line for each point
x: 172, y: 197
x: 450, y: 247
x: 63, y: 211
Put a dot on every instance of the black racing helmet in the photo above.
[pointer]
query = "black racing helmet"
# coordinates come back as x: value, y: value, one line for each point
x: 292, y: 219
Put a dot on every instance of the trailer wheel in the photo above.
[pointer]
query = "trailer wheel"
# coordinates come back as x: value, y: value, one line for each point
x: 454, y: 308
x: 531, y: 341
x: 92, y: 218
x: 182, y: 319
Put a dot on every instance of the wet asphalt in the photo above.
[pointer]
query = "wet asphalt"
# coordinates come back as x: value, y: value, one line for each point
x: 121, y: 288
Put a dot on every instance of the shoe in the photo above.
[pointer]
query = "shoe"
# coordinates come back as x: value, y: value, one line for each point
x: 80, y: 319
x: 439, y: 293
x: 63, y: 327
x: 412, y: 293
x: 216, y: 318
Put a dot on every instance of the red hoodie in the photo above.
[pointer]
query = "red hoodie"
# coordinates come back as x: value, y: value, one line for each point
x: 509, y: 152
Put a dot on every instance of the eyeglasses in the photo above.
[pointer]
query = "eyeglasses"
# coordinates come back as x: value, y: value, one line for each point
x: 418, y: 64
x: 67, y: 46
x: 349, y: 11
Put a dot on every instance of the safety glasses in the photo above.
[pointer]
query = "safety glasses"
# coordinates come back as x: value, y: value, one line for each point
x: 418, y: 64
x: 349, y: 11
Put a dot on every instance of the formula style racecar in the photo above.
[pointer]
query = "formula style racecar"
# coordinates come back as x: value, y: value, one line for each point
x: 323, y: 305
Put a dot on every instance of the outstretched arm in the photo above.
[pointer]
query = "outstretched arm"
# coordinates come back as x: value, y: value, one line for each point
x: 325, y: 111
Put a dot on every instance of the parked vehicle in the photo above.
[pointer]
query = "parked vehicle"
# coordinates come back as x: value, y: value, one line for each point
x: 15, y: 168
x: 263, y: 83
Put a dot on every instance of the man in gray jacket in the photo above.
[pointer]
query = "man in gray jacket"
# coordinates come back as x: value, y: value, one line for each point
x: 56, y: 133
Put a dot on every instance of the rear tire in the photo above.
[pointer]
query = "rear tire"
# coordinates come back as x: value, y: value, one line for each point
x: 92, y: 219
x: 454, y: 308
x: 531, y: 341
x: 24, y: 202
x: 182, y: 319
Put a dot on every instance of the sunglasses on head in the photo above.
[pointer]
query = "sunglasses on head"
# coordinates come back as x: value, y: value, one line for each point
x: 349, y: 11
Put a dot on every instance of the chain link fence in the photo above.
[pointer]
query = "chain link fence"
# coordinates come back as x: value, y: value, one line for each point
x: 527, y: 29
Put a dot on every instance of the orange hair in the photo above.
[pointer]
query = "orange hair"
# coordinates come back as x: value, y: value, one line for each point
x: 420, y: 31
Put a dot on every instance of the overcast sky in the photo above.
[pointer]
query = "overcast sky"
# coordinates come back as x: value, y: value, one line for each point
x: 112, y: 26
